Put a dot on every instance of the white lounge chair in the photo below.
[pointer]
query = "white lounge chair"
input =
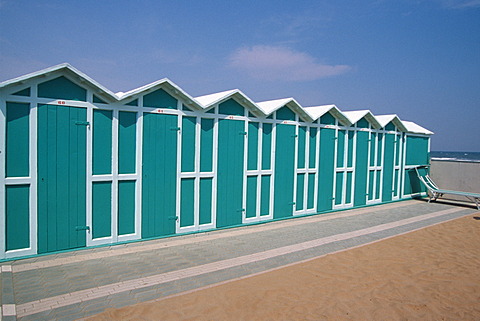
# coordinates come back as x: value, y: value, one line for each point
x: 436, y: 192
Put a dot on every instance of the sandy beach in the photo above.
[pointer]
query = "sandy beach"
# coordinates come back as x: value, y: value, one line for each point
x: 429, y: 274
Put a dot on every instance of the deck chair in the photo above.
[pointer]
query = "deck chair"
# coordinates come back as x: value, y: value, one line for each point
x: 436, y: 192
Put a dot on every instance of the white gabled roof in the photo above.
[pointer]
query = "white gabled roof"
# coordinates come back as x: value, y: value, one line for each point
x: 264, y: 108
x: 415, y: 128
x: 164, y: 83
x: 356, y: 115
x: 385, y: 119
x: 64, y: 67
x: 316, y: 112
x: 270, y: 106
x: 208, y: 100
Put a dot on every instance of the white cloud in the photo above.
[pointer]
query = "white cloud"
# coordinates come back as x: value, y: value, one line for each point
x: 281, y: 63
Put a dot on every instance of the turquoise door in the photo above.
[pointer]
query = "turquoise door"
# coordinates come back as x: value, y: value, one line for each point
x: 361, y: 169
x: 388, y: 158
x: 284, y: 171
x: 231, y: 144
x: 61, y: 177
x: 159, y: 174
x: 326, y: 169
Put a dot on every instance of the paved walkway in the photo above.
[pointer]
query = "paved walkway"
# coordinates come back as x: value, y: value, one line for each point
x: 78, y: 284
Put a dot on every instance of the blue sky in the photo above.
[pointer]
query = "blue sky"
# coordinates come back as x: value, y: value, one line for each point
x: 419, y: 59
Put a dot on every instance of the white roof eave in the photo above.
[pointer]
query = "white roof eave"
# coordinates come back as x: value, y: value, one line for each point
x: 416, y: 129
x: 384, y: 120
x: 270, y: 106
x: 264, y: 108
x: 162, y: 83
x: 63, y: 67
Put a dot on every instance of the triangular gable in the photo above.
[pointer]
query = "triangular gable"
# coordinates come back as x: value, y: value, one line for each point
x: 64, y: 69
x: 316, y: 112
x: 355, y: 116
x: 19, y: 86
x: 168, y: 86
x: 384, y: 120
x: 208, y: 101
x: 270, y: 106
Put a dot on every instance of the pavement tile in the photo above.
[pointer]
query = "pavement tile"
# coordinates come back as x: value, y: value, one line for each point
x: 124, y: 269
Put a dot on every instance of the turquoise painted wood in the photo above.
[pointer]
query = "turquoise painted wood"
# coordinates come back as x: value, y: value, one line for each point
x: 24, y: 92
x: 341, y: 148
x: 267, y: 146
x: 311, y: 191
x: 61, y: 88
x: 417, y: 151
x: 284, y: 171
x: 312, y: 149
x: 17, y: 140
x: 300, y: 192
x: 17, y: 217
x: 252, y: 155
x: 206, y: 145
x: 380, y: 138
x: 97, y: 100
x: 231, y: 143
x: 411, y: 183
x: 101, y: 209
x: 378, y: 175
x: 187, y: 199
x: 159, y: 175
x: 265, y: 195
x: 231, y: 107
x: 326, y: 169
x: 350, y: 142
x: 132, y: 103
x: 188, y: 144
x: 396, y: 179
x: 102, y: 141
x: 302, y: 138
x: 126, y: 207
x: 371, y: 185
x: 361, y: 169
x: 388, y: 160
x: 159, y: 99
x: 251, y: 209
x: 397, y: 149
x: 206, y: 208
x: 373, y: 140
x: 416, y: 154
x: 285, y: 113
x: 61, y: 178
x: 127, y: 142
x: 348, y: 188
x: 339, y: 188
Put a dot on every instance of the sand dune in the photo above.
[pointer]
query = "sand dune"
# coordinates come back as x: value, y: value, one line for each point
x: 430, y: 274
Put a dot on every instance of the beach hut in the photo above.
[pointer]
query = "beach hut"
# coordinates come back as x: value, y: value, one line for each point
x: 82, y: 166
